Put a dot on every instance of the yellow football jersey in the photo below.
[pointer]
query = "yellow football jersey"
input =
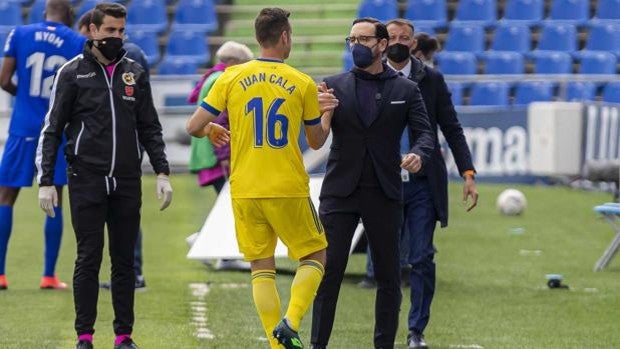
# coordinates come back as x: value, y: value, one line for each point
x: 267, y: 101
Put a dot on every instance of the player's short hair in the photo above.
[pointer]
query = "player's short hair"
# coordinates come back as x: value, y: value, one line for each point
x: 269, y: 25
x: 86, y: 19
x: 401, y: 22
x: 107, y: 9
x: 426, y: 44
x: 380, y: 28
x: 234, y: 51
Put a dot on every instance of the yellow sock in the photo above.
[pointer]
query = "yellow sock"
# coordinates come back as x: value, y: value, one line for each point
x: 267, y: 301
x: 303, y: 289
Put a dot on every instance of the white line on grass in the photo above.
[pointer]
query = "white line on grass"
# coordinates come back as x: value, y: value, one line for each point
x: 466, y: 346
x: 199, y: 310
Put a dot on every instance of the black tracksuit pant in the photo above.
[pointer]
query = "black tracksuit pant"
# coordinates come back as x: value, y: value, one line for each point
x: 382, y: 219
x: 97, y: 201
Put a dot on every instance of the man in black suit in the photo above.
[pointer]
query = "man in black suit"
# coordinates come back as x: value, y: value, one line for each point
x: 426, y: 192
x: 363, y: 175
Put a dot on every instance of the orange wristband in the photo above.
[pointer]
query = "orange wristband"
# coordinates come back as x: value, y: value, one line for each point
x: 470, y: 173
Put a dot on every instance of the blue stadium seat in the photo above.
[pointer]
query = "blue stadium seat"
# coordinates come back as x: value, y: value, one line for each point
x: 148, y: 42
x: 3, y: 36
x: 10, y: 15
x: 177, y: 65
x: 526, y: 12
x: 557, y: 37
x: 457, y: 63
x: 512, y: 37
x: 533, y: 91
x: 36, y: 12
x: 383, y: 10
x: 427, y: 13
x: 611, y: 92
x: 480, y: 12
x: 347, y: 60
x: 196, y: 15
x: 580, y: 91
x: 147, y: 15
x: 504, y: 62
x: 87, y: 5
x: 604, y: 37
x: 573, y: 12
x: 553, y: 62
x: 597, y: 62
x: 456, y: 90
x: 188, y: 45
x: 424, y: 29
x: 489, y: 93
x: 465, y: 37
x: 607, y: 10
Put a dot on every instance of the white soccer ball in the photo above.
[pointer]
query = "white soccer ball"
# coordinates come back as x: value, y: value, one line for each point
x: 511, y: 202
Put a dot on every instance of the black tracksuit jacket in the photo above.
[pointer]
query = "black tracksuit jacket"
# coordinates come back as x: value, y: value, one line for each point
x: 105, y: 120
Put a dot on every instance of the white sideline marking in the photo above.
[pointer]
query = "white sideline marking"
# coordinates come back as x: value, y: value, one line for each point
x: 530, y: 252
x: 199, y: 310
x: 466, y: 346
x: 233, y: 286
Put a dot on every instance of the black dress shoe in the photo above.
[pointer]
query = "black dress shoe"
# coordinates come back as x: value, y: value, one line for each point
x: 84, y: 345
x: 126, y: 344
x: 416, y: 341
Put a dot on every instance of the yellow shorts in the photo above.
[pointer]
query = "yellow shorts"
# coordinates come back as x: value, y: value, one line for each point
x: 259, y: 223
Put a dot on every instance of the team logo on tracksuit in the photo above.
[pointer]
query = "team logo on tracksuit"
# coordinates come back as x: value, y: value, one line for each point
x: 128, y: 79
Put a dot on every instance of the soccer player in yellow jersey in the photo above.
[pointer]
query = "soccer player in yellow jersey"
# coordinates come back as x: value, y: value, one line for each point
x: 267, y: 102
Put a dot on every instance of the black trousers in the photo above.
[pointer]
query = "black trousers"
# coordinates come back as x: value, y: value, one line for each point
x: 97, y: 201
x: 382, y: 218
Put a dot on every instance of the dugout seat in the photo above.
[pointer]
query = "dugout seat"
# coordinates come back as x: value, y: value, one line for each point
x: 553, y: 62
x: 611, y: 213
x: 456, y: 89
x: 36, y: 11
x: 148, y: 42
x: 607, y: 11
x: 572, y: 12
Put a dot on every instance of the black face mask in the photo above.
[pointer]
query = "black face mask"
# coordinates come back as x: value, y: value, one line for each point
x: 109, y: 47
x: 398, y: 53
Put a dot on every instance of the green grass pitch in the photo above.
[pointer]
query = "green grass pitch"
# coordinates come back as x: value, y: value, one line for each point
x: 491, y: 289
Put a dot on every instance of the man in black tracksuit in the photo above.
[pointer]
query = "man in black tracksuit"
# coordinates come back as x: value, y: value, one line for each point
x: 103, y: 103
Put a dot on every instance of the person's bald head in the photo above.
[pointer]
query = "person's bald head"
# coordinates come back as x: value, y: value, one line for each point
x: 59, y: 11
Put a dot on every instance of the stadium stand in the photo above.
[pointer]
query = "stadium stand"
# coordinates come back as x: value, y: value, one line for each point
x: 456, y: 89
x: 611, y: 92
x: 520, y: 37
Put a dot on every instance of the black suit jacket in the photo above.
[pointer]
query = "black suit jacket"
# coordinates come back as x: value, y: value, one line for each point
x: 442, y: 115
x: 401, y: 105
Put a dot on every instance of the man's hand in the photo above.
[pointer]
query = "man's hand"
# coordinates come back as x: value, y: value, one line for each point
x: 469, y: 189
x: 48, y: 199
x: 411, y: 162
x: 164, y: 189
x: 327, y: 101
x: 218, y: 134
